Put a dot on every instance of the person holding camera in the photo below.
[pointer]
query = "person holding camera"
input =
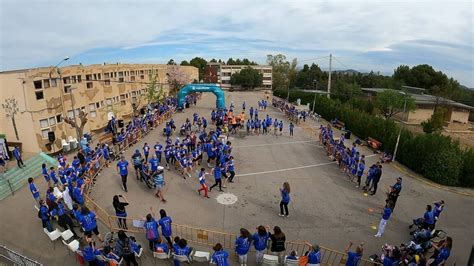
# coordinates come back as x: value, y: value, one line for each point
x: 120, y: 211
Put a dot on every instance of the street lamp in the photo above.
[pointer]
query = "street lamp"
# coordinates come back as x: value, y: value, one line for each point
x: 315, y: 82
x: 400, y: 131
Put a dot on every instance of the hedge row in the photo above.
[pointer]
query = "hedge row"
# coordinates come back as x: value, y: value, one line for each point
x: 434, y: 156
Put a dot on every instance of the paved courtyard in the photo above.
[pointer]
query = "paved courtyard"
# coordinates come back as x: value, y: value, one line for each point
x: 326, y: 208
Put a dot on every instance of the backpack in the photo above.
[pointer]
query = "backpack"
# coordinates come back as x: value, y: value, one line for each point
x: 39, y: 213
x: 126, y: 250
x: 150, y: 234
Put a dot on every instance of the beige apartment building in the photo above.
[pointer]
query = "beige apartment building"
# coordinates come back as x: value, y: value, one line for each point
x: 220, y: 73
x: 45, y: 95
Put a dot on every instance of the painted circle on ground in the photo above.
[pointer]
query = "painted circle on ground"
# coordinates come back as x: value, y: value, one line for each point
x: 226, y: 199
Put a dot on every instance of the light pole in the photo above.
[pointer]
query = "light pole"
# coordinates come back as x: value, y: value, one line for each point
x: 315, y: 82
x: 400, y: 131
x: 74, y: 112
x: 60, y: 80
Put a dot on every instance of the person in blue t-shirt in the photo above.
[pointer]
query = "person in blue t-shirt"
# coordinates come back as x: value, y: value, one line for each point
x: 217, y: 177
x: 165, y: 223
x: 89, y: 253
x: 428, y: 218
x: 34, y: 189
x: 151, y: 230
x: 44, y: 215
x: 44, y: 171
x: 242, y: 245
x: 353, y: 258
x: 292, y: 127
x: 162, y: 247
x: 220, y: 256
x: 52, y: 175
x: 387, y: 212
x: 181, y: 248
x: 260, y: 241
x: 122, y: 168
x: 17, y: 155
x: 442, y: 252
x: 89, y: 224
x: 285, y: 199
x: 314, y: 254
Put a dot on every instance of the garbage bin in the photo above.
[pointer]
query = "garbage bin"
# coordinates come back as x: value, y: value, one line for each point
x: 347, y: 134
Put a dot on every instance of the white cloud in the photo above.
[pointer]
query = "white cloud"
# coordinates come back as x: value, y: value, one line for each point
x: 40, y: 32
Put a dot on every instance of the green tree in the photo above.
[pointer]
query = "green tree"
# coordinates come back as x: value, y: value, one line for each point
x: 435, y: 123
x: 230, y: 61
x: 345, y: 91
x: 199, y: 63
x: 391, y: 102
x: 184, y: 63
x: 171, y: 62
x: 213, y: 60
x: 248, y: 78
x: 153, y: 94
x: 11, y: 109
x: 283, y: 71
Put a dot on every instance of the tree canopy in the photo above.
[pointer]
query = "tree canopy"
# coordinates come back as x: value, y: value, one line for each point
x: 391, y: 102
x: 248, y: 78
x: 200, y: 63
x: 283, y: 71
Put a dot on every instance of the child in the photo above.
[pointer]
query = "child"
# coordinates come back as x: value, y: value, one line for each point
x: 34, y: 189
x: 202, y: 181
x: 292, y: 126
x: 220, y: 256
x: 292, y: 256
x: 44, y: 171
x: 242, y: 245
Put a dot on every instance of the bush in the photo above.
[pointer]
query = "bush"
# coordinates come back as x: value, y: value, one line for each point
x: 434, y: 156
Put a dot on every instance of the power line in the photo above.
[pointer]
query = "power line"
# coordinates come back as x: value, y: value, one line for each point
x: 314, y: 59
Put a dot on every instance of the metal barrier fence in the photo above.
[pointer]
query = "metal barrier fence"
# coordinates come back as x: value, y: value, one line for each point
x: 15, y: 258
x: 198, y: 236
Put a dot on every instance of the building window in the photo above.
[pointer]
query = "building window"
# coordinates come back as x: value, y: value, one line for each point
x: 92, y: 107
x: 93, y: 114
x: 120, y: 74
x: 123, y: 102
x: 132, y: 72
x: 122, y: 97
x: 97, y: 105
x: 53, y: 83
x: 44, y: 123
x: 120, y: 79
x: 89, y: 85
x: 106, y: 75
x: 38, y: 84
x: 39, y: 95
x: 132, y: 78
x: 52, y: 121
x: 89, y: 77
x: 44, y: 133
x: 101, y: 103
x: 107, y: 82
x: 95, y: 76
x: 70, y: 114
x: 108, y: 102
x: 73, y: 79
x: 79, y: 79
x: 66, y: 80
x: 98, y: 75
x: 46, y: 83
x: 142, y: 77
x: 67, y: 89
x: 58, y: 118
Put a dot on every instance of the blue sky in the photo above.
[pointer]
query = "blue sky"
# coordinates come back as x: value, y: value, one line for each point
x: 362, y: 35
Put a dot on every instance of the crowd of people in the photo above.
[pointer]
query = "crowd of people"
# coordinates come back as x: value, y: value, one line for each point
x: 64, y: 198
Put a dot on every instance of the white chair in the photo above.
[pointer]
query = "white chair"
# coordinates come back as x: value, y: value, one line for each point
x: 139, y: 254
x: 66, y: 145
x: 182, y: 258
x: 201, y: 256
x: 290, y: 262
x: 72, y: 246
x: 67, y: 235
x: 101, y: 258
x: 53, y: 236
x: 160, y: 256
x: 270, y: 260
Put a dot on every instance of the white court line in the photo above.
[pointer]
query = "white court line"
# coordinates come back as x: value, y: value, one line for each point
x: 287, y: 169
x: 271, y: 144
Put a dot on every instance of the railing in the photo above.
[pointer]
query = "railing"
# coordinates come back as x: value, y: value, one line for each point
x: 198, y: 236
x: 16, y: 258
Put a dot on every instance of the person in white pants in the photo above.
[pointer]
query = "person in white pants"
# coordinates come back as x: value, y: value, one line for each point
x: 387, y: 212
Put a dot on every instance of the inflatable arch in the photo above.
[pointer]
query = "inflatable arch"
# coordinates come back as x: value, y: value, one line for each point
x: 214, y: 88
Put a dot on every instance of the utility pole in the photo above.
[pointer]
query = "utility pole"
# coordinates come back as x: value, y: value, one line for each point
x: 400, y: 131
x: 329, y: 78
x: 315, y: 82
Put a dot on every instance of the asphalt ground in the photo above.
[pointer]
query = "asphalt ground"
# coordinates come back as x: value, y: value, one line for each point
x: 326, y: 208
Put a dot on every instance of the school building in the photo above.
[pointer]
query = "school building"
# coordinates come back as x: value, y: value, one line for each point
x: 220, y: 74
x: 456, y: 117
x: 47, y: 94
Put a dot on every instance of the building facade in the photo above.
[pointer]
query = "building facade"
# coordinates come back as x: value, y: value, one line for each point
x: 46, y: 95
x: 220, y: 74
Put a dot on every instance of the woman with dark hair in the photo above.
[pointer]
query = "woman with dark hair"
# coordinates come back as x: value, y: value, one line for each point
x: 285, y: 199
x: 181, y: 248
x: 124, y: 249
x: 89, y: 224
x: 242, y: 245
x: 278, y: 243
x: 165, y: 223
x: 151, y: 230
x: 220, y: 256
x: 120, y: 210
x: 260, y: 240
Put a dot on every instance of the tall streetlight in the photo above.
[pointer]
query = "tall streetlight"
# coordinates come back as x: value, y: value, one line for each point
x: 60, y: 80
x: 315, y: 82
x: 400, y: 131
